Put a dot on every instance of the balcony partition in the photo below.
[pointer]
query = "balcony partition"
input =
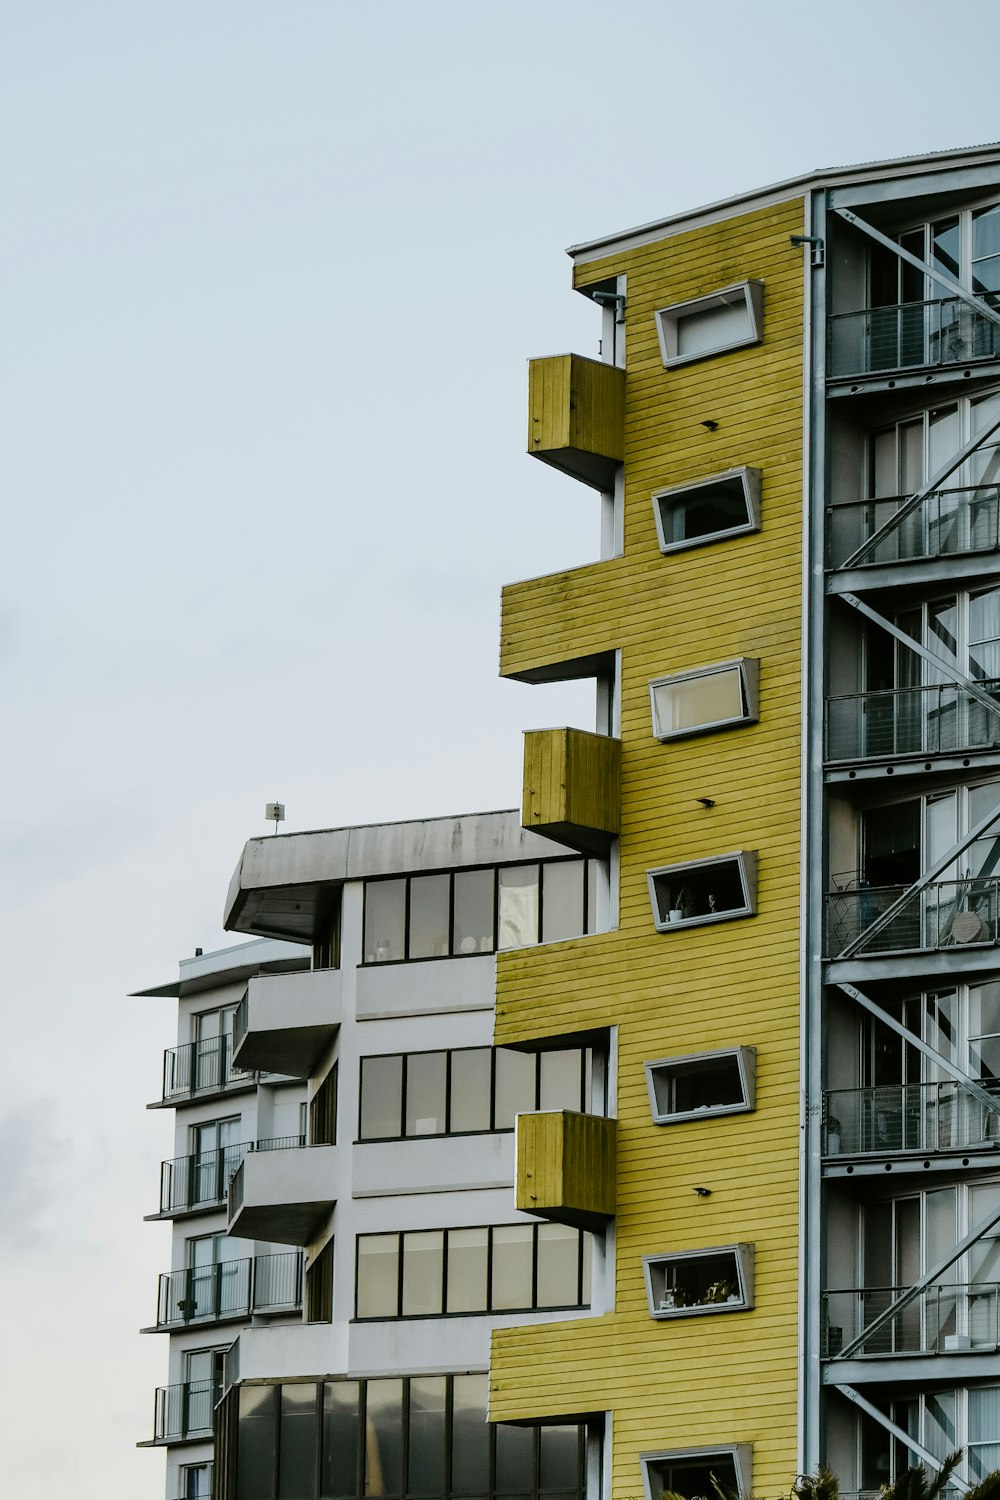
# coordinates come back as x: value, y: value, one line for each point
x: 185, y: 1411
x: 230, y: 1289
x: 940, y: 719
x: 918, y: 1117
x: 941, y: 1319
x: 944, y: 914
x: 909, y: 335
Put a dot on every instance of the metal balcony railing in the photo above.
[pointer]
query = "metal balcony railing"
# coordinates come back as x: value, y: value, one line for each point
x: 230, y: 1289
x: 183, y: 1411
x: 946, y: 523
x: 945, y: 914
x: 910, y: 335
x: 241, y: 1020
x: 201, y: 1068
x: 933, y: 720
x: 236, y: 1191
x: 924, y: 1117
x: 941, y: 1319
x: 200, y: 1180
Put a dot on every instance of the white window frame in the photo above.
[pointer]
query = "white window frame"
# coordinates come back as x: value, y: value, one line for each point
x: 750, y: 293
x: 746, y: 1062
x: 751, y: 482
x: 741, y: 1455
x: 742, y: 1255
x: 746, y: 863
x: 749, y: 671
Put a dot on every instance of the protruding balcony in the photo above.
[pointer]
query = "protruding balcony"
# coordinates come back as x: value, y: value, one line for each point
x: 566, y: 1167
x: 576, y: 416
x: 184, y: 1412
x: 285, y: 1022
x: 198, y: 1069
x: 947, y: 914
x: 229, y: 1290
x: 572, y: 787
x: 909, y: 336
x: 925, y: 1119
x: 283, y: 1197
x: 941, y: 1319
x: 942, y: 719
x: 947, y: 523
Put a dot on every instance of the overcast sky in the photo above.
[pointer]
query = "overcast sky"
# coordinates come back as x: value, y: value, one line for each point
x: 270, y: 274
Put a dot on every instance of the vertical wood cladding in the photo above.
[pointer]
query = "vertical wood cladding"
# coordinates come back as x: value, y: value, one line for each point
x: 732, y: 1379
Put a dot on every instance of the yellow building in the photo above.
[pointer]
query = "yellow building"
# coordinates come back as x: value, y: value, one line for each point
x: 791, y: 427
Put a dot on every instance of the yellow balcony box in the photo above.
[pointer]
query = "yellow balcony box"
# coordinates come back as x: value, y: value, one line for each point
x: 572, y: 787
x: 576, y: 416
x: 566, y: 1167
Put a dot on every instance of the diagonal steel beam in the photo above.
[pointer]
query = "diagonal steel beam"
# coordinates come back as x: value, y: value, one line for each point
x: 918, y: 1286
x: 941, y: 277
x: 963, y: 1079
x: 943, y: 663
x: 929, y: 875
x: 903, y: 1437
x: 910, y: 504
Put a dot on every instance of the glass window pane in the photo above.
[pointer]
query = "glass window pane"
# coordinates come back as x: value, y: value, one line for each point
x: 470, y: 1089
x: 385, y: 920
x: 593, y: 881
x: 470, y: 1441
x: 704, y: 511
x: 467, y: 1264
x: 518, y: 906
x: 939, y: 1424
x: 473, y: 931
x: 515, y: 1460
x: 257, y: 1440
x: 423, y: 1273
x: 512, y: 1258
x: 558, y: 1266
x: 381, y: 1098
x: 515, y: 1086
x: 426, y: 1087
x: 428, y: 1397
x: 298, y: 1442
x: 714, y: 328
x: 561, y: 1079
x: 699, y: 701
x: 559, y: 1465
x: 384, y: 1437
x: 562, y: 900
x: 341, y: 1430
x: 378, y: 1276
x: 587, y: 1256
x: 430, y: 897
x: 986, y: 231
x: 984, y: 1010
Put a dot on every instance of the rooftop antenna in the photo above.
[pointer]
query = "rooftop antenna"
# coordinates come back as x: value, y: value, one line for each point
x: 275, y: 812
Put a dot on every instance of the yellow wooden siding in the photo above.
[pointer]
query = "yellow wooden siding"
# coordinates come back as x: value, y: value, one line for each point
x: 576, y: 416
x: 566, y: 1167
x: 697, y: 1382
x: 572, y: 786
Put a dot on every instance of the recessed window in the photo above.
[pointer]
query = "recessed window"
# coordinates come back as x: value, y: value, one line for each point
x: 727, y: 319
x: 707, y: 698
x: 707, y: 1083
x: 707, y: 510
x: 705, y: 890
x: 694, y: 1473
x: 690, y: 1283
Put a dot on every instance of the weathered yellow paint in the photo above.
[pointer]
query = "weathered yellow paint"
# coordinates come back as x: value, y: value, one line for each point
x: 576, y: 416
x: 732, y: 1379
x: 572, y: 787
x: 566, y: 1167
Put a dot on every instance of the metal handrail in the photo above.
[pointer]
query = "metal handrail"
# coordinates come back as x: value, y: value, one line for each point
x: 201, y: 1179
x: 919, y: 1117
x: 909, y: 335
x: 941, y: 1319
x: 942, y: 914
x: 935, y: 719
x: 229, y: 1289
x: 180, y: 1411
x: 946, y: 523
x: 201, y: 1067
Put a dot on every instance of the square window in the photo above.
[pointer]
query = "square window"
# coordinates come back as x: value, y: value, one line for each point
x: 704, y: 891
x: 708, y: 698
x: 706, y: 1083
x: 694, y: 1473
x: 692, y: 1283
x: 730, y: 318
x: 707, y: 510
